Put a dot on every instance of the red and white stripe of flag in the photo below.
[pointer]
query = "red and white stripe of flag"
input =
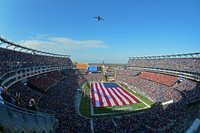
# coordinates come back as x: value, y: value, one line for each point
x: 103, y: 97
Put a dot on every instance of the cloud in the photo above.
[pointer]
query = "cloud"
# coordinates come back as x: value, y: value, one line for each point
x: 47, y: 41
x: 35, y: 43
x: 77, y: 44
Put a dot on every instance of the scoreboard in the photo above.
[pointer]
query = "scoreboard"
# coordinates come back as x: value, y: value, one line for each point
x: 92, y: 69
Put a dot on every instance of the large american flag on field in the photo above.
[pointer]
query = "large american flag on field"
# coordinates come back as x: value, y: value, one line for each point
x: 110, y: 94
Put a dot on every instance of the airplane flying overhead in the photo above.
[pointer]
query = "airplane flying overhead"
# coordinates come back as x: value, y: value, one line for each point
x: 99, y: 18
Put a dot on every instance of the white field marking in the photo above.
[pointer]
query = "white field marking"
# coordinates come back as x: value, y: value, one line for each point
x: 91, y: 126
x: 96, y: 96
x: 105, y: 114
x: 91, y: 106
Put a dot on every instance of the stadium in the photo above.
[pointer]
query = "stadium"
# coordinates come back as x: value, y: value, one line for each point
x: 99, y: 66
x: 44, y: 92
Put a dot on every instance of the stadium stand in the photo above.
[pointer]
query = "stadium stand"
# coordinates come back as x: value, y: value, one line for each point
x: 160, y: 78
x: 188, y: 88
x: 54, y: 90
x: 19, y: 110
x: 98, y: 77
x: 153, y: 90
x: 182, y: 64
x: 157, y: 119
x: 43, y: 82
x: 12, y: 60
x: 60, y: 98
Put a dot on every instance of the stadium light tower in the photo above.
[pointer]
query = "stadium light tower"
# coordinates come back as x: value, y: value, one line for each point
x: 115, y: 74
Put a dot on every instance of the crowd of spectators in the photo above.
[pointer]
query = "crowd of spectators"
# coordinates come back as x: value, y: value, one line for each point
x: 44, y: 81
x: 127, y: 72
x: 96, y: 77
x: 190, y: 88
x: 59, y: 91
x: 12, y: 60
x: 155, y: 91
x: 182, y: 64
x: 25, y: 94
x: 160, y: 87
x: 60, y: 98
x: 10, y: 98
x: 157, y: 119
x: 167, y: 80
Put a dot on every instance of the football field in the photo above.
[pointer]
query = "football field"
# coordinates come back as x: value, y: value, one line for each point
x: 110, y: 98
x: 110, y: 94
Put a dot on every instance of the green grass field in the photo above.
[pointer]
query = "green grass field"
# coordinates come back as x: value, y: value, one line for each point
x: 85, y: 101
x: 85, y: 107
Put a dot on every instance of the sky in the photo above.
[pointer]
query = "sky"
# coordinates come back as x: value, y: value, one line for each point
x: 131, y: 27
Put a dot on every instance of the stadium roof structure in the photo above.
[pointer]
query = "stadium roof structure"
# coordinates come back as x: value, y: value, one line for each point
x: 33, y: 51
x: 187, y: 55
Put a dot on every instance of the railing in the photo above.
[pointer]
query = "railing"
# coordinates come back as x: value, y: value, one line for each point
x: 187, y: 55
x: 17, y: 119
x: 184, y: 74
x: 12, y: 77
x: 33, y: 51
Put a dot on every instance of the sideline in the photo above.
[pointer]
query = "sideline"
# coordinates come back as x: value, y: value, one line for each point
x: 77, y: 101
x: 91, y: 106
x: 91, y: 126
